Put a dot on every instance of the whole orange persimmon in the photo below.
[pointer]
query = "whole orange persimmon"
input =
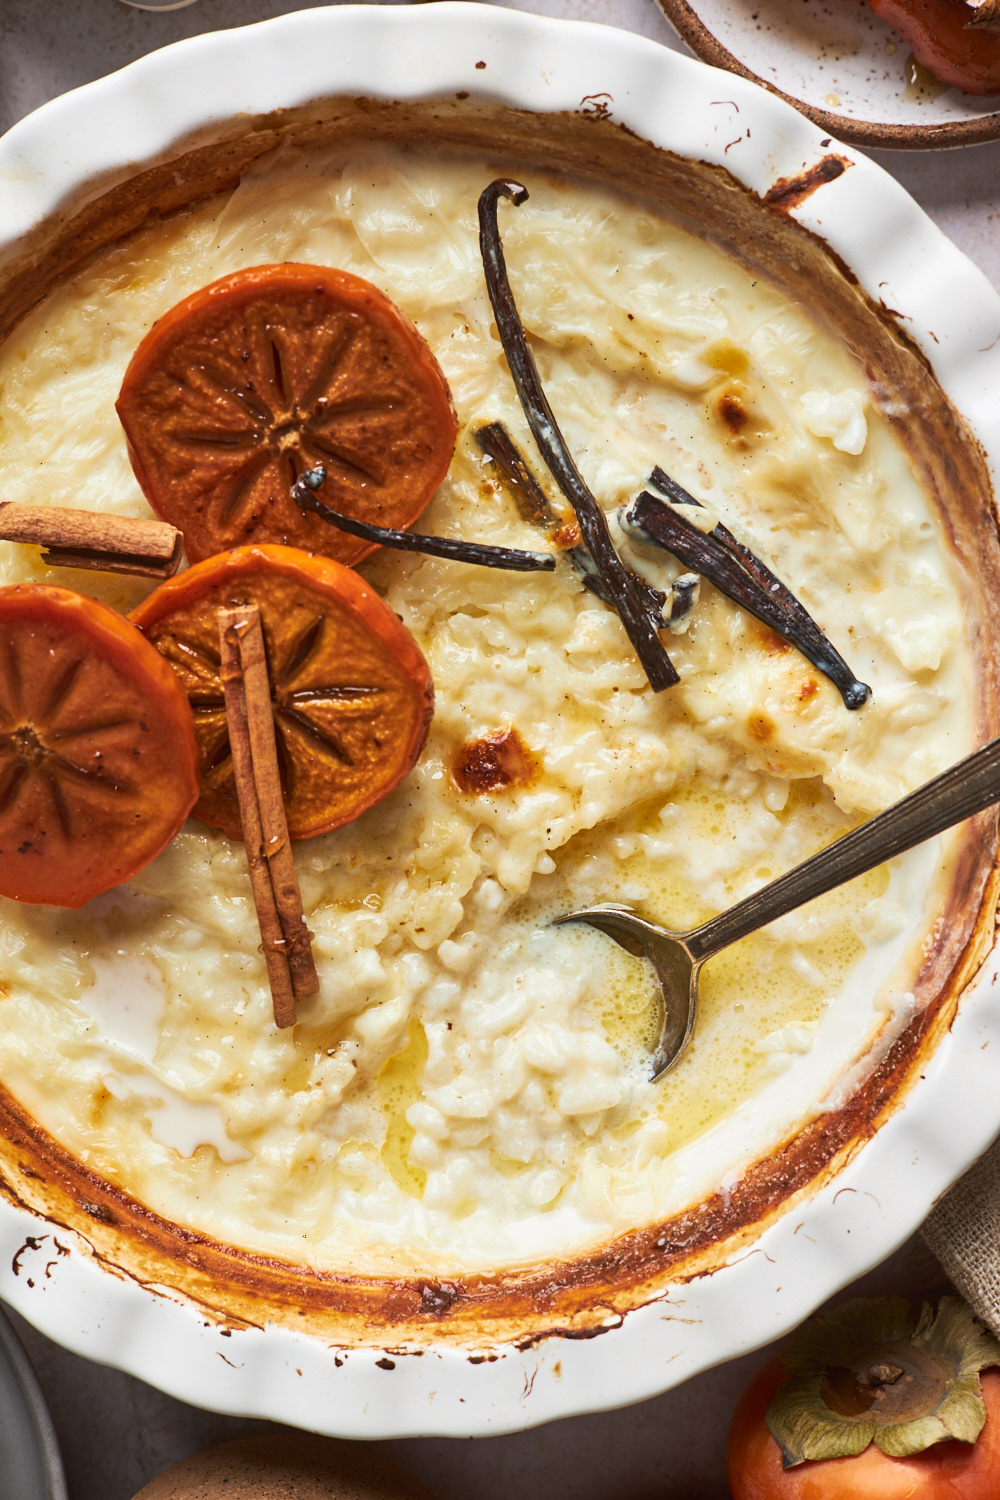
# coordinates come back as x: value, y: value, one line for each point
x: 946, y: 1470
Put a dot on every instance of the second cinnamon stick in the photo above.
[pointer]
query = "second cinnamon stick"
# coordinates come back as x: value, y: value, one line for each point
x: 285, y: 938
x: 274, y: 825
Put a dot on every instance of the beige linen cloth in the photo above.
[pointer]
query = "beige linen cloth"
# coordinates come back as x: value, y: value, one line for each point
x: 963, y: 1231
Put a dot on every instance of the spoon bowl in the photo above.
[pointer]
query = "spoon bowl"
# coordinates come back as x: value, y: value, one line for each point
x: 967, y: 788
x: 675, y: 967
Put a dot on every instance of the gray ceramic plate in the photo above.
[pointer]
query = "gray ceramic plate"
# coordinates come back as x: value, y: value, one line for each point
x: 30, y: 1466
x: 839, y: 64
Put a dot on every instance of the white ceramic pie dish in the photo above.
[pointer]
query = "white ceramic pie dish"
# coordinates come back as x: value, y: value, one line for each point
x: 101, y: 133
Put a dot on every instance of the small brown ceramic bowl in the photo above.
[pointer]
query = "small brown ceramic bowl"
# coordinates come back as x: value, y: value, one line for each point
x: 840, y: 65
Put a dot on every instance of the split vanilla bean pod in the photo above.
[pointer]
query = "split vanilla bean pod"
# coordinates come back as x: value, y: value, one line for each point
x: 622, y: 592
x: 799, y: 619
x: 89, y: 539
x: 452, y: 548
x: 285, y: 937
x: 741, y: 576
x: 533, y: 506
x: 531, y: 500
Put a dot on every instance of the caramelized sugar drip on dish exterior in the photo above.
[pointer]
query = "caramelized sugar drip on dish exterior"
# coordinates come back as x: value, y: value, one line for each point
x: 268, y: 373
x: 350, y: 690
x: 97, y: 751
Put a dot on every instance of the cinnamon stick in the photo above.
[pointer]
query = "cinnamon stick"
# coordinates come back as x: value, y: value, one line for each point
x: 985, y: 16
x: 270, y: 798
x: 285, y: 937
x: 90, y: 539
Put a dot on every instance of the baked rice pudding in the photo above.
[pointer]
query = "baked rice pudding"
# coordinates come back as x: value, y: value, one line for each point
x: 467, y: 1100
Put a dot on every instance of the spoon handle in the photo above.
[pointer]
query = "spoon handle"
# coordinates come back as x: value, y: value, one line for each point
x: 967, y: 788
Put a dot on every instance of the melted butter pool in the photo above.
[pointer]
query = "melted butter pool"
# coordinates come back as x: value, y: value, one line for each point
x: 760, y: 1001
x: 400, y: 1084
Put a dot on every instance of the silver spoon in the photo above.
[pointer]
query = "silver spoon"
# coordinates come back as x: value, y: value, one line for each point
x: 677, y: 957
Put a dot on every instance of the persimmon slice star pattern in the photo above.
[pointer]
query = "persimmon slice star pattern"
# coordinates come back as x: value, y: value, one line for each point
x: 97, y: 748
x: 351, y: 692
x: 272, y: 371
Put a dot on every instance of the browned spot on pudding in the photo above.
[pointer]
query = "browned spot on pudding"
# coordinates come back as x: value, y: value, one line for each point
x: 497, y: 761
x: 732, y: 411
x: 770, y: 639
x: 727, y: 356
x: 568, y: 535
x: 808, y: 689
x: 761, y: 728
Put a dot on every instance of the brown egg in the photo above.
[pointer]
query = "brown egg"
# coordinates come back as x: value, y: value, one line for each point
x: 285, y: 1466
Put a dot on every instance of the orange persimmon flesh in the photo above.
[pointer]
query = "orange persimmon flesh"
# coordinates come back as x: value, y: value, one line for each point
x: 98, y: 761
x: 939, y: 33
x: 269, y: 372
x: 351, y: 691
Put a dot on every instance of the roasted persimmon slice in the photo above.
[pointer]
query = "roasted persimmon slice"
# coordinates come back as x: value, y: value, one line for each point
x: 272, y: 371
x: 350, y: 688
x: 98, y: 761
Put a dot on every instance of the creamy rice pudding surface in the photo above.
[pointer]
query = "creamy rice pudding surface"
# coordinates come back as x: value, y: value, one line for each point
x: 470, y: 1087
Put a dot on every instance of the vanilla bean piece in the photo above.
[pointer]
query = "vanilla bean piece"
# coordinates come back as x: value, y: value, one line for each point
x: 741, y: 576
x: 529, y: 497
x: 622, y: 593
x: 454, y: 549
x: 92, y: 539
x: 286, y: 940
x: 495, y: 440
x: 799, y: 618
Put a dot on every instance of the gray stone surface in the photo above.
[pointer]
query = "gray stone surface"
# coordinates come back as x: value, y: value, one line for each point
x: 117, y: 1433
